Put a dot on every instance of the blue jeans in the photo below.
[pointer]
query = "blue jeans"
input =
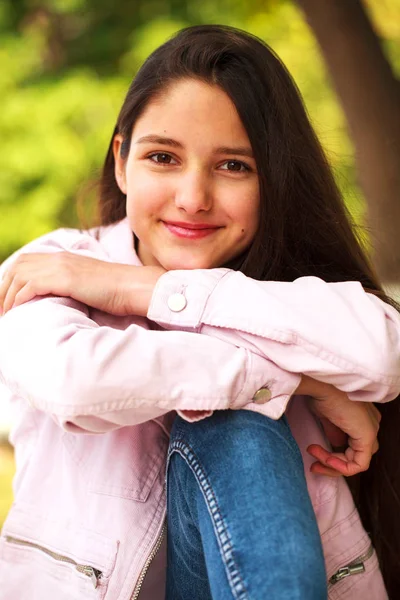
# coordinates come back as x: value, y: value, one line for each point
x: 240, y: 520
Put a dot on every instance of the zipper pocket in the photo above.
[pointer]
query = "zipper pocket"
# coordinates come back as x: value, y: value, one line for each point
x: 157, y: 546
x: 355, y: 567
x: 94, y: 574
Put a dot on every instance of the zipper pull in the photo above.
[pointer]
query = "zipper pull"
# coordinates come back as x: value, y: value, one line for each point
x: 94, y: 574
x: 346, y: 571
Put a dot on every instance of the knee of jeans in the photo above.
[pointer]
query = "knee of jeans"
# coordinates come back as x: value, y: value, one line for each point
x: 233, y: 435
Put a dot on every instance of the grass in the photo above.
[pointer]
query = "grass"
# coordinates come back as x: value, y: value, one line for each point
x: 7, y: 468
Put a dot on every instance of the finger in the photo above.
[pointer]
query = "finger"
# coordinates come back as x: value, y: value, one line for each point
x: 320, y: 453
x: 318, y: 469
x: 12, y: 291
x: 348, y: 467
x: 25, y: 294
x: 344, y: 464
x: 4, y: 285
x: 345, y: 468
x: 321, y: 467
x: 360, y: 450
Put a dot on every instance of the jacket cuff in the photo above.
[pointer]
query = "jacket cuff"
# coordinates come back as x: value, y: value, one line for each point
x: 266, y: 375
x: 180, y: 297
x: 262, y: 375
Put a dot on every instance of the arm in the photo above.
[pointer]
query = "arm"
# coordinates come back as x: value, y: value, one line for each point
x: 333, y: 332
x: 63, y: 363
x: 291, y: 306
x: 93, y: 377
x: 122, y: 290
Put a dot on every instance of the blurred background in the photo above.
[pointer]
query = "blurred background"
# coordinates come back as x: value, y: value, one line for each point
x: 65, y: 66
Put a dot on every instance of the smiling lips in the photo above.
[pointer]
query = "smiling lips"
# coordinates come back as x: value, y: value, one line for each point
x: 189, y: 230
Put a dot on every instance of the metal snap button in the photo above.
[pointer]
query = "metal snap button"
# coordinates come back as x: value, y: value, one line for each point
x: 262, y: 396
x: 176, y: 302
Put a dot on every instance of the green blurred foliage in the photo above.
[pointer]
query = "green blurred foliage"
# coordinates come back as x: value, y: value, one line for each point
x: 66, y: 65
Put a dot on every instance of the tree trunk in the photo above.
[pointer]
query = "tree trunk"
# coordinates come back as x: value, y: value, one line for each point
x: 370, y: 97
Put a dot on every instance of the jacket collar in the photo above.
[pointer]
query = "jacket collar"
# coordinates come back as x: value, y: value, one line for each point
x: 117, y: 240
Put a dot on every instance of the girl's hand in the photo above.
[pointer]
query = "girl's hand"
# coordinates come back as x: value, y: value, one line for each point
x: 113, y: 288
x: 348, y: 424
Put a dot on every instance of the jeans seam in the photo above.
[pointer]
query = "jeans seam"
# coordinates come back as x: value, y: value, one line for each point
x: 235, y: 579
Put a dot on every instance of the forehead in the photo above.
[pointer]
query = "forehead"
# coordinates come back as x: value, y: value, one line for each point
x: 190, y: 108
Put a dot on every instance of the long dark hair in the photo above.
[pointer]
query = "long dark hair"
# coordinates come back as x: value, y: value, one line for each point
x: 304, y: 227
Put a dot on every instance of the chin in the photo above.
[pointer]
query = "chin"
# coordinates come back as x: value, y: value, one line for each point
x: 185, y: 263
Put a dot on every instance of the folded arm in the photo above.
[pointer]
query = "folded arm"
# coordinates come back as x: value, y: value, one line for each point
x: 96, y: 377
x: 333, y: 332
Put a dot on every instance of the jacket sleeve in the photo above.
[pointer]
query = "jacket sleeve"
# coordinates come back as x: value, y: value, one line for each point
x: 94, y: 378
x: 334, y: 332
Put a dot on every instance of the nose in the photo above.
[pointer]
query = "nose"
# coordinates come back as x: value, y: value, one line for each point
x: 193, y: 193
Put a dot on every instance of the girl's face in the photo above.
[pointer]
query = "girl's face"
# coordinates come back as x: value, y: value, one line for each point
x: 190, y: 179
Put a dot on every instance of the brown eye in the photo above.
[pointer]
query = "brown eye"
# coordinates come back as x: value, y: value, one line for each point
x: 161, y: 158
x: 235, y: 166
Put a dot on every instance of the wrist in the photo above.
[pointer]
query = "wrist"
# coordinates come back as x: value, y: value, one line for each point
x: 142, y: 282
x: 311, y: 387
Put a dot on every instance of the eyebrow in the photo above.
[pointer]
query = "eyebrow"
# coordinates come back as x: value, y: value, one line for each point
x: 165, y: 141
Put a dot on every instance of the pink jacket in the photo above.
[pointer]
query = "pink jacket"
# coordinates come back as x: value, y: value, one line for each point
x: 89, y: 511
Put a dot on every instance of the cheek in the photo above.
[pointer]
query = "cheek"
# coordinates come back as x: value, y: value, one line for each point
x: 145, y: 195
x: 248, y: 220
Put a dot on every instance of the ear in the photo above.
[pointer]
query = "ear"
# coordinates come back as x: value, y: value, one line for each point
x: 120, y: 172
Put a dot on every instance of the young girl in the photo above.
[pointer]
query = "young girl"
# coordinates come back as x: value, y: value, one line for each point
x: 212, y: 285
